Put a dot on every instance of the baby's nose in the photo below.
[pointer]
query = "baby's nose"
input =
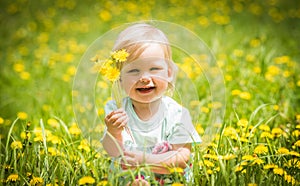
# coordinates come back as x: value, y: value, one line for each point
x: 145, y: 79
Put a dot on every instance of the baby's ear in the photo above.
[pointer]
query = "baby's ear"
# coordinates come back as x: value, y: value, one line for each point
x: 170, y: 75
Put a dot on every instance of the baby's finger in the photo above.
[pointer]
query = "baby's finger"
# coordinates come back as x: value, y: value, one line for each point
x: 122, y: 122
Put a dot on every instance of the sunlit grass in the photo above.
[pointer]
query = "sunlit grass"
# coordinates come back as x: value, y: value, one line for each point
x: 256, y: 45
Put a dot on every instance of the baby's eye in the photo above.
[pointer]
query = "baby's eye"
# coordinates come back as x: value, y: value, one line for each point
x: 133, y: 71
x: 154, y: 68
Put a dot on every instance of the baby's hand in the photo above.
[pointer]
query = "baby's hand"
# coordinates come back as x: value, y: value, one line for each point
x: 162, y: 147
x: 116, y: 121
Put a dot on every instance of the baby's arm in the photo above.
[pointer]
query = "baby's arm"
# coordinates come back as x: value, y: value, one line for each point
x: 112, y: 141
x: 177, y: 157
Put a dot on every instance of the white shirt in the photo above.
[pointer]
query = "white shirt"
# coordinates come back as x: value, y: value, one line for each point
x: 171, y: 123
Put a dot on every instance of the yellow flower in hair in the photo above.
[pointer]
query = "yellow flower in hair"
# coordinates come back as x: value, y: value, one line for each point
x: 111, y: 66
x: 120, y: 55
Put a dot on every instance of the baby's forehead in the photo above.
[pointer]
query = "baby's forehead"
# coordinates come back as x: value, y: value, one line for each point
x: 146, y: 61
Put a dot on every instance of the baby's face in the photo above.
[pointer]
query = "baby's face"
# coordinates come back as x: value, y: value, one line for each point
x: 146, y: 78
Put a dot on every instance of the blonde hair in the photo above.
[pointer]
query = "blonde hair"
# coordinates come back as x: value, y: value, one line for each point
x: 136, y: 38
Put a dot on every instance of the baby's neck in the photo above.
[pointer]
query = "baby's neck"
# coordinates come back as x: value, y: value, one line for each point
x: 145, y: 111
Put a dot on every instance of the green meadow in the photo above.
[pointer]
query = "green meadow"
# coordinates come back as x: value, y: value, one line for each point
x: 51, y: 130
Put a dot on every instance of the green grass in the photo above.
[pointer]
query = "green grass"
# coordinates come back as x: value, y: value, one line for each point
x: 255, y: 44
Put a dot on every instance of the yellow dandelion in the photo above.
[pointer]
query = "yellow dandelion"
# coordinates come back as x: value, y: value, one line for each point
x: 242, y: 123
x: 278, y: 171
x: 19, y: 67
x: 261, y: 149
x: 266, y: 135
x: 293, y: 163
x: 209, y: 171
x: 25, y: 75
x: 296, y: 133
x: 229, y: 157
x: 297, y: 143
x: 12, y: 178
x: 257, y: 161
x: 204, y: 109
x: 177, y: 184
x: 120, y: 55
x: 16, y: 145
x: 54, y: 139
x: 208, y: 163
x: 264, y: 128
x: 86, y: 180
x: 282, y: 150
x: 269, y: 166
x: 238, y: 53
x: 239, y: 168
x: 1, y: 120
x: 252, y: 184
x: 290, y: 179
x: 22, y: 115
x: 235, y: 92
x: 36, y: 181
x: 53, y: 123
x: 103, y: 183
x: 25, y: 135
x: 277, y: 132
x: 282, y: 59
x: 294, y: 153
x: 74, y: 130
x: 176, y: 170
x: 105, y: 15
x: 245, y: 95
x: 199, y: 129
x: 84, y: 145
x: 250, y: 58
x: 53, y: 151
x: 248, y: 157
x: 211, y: 156
x: 112, y: 74
x: 276, y: 107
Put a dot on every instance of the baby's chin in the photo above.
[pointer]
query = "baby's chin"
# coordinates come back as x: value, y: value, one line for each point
x: 147, y: 101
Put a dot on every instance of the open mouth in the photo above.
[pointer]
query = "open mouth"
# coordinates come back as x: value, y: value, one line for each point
x: 145, y: 90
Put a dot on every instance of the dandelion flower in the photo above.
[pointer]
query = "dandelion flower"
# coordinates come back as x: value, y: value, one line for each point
x: 248, y: 157
x: 209, y: 171
x: 84, y: 145
x: 239, y: 168
x: 294, y: 153
x: 86, y: 180
x: 103, y: 183
x: 16, y: 145
x: 229, y: 157
x: 177, y: 184
x: 37, y: 181
x: 270, y: 166
x: 120, y: 55
x: 242, y: 123
x: 252, y: 184
x: 12, y: 178
x: 245, y: 95
x: 261, y: 149
x: 74, y: 130
x: 297, y: 143
x: 1, y: 120
x: 277, y: 132
x: 258, y: 161
x: 278, y: 171
x: 176, y: 169
x: 22, y: 115
x: 266, y: 135
x: 264, y: 128
x: 53, y: 123
x: 282, y: 150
